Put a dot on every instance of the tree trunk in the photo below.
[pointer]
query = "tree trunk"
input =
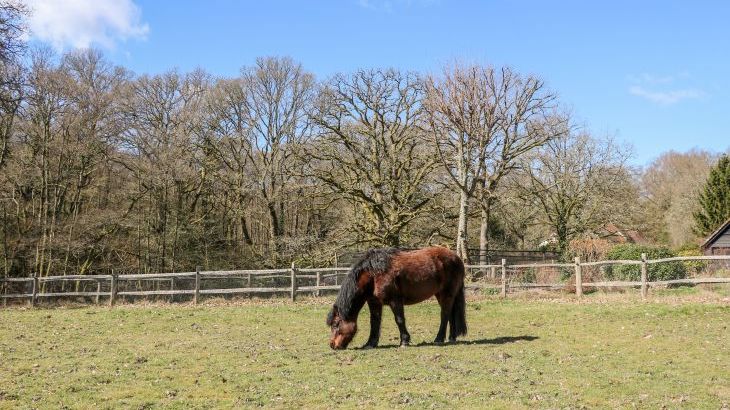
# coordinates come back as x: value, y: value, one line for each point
x: 562, y: 232
x: 244, y: 231
x: 461, y: 234
x: 274, y: 233
x: 484, y: 235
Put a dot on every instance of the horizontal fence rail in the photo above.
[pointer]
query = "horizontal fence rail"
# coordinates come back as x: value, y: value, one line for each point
x: 644, y: 284
x: 291, y: 281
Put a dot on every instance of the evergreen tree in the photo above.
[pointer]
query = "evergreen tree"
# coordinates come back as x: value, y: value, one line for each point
x: 714, y: 199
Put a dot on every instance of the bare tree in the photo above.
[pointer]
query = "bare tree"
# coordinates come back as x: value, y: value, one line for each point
x: 11, y: 95
x: 42, y: 162
x: 12, y: 28
x: 371, y: 151
x: 671, y: 186
x: 164, y: 113
x: 580, y: 183
x: 92, y: 88
x: 461, y: 107
x: 483, y: 119
x: 231, y: 140
x: 53, y: 183
x: 275, y: 97
x: 514, y: 207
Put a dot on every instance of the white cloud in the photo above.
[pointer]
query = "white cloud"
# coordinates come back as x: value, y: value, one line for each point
x: 81, y: 23
x: 666, y: 97
x: 664, y: 89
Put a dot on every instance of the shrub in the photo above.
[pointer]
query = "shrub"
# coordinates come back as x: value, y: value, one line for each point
x: 588, y: 249
x: 658, y: 271
x: 693, y: 268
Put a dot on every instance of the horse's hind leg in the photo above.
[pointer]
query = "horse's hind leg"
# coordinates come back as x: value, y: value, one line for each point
x: 400, y: 320
x: 445, y: 304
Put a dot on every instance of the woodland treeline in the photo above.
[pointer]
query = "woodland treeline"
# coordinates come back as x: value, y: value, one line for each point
x: 102, y: 169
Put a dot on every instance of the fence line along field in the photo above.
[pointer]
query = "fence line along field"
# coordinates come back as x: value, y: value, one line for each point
x: 576, y: 277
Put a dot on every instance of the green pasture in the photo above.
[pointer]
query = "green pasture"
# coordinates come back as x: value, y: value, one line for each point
x: 672, y: 351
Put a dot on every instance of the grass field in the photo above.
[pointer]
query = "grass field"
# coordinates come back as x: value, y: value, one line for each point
x: 605, y: 352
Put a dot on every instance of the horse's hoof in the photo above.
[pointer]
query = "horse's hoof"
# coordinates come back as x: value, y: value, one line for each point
x: 438, y: 342
x: 404, y: 344
x: 368, y: 346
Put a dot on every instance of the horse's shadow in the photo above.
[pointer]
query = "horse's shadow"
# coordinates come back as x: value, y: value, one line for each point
x: 495, y: 341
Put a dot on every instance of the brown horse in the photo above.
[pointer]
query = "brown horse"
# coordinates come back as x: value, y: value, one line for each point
x: 396, y: 277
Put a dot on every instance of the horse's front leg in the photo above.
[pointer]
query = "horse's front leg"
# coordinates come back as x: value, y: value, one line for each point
x: 376, y: 318
x: 400, y: 320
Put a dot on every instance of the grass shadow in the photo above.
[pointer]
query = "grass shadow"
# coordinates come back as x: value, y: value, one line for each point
x: 495, y: 341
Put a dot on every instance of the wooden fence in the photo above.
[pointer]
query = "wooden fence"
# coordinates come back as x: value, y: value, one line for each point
x: 112, y: 294
x: 577, y: 267
x: 320, y: 275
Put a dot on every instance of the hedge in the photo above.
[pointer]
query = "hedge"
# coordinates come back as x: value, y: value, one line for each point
x: 658, y: 271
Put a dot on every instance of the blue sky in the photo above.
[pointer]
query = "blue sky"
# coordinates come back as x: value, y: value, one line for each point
x: 651, y: 73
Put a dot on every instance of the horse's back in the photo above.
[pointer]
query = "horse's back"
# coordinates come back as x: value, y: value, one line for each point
x: 434, y: 260
x: 422, y: 273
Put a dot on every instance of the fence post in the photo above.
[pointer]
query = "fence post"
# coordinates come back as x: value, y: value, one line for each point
x: 34, y: 293
x: 248, y: 285
x: 98, y: 290
x: 319, y: 281
x: 578, y: 277
x: 197, y: 285
x: 644, y: 276
x: 172, y: 288
x: 113, y: 289
x: 293, y: 282
x: 504, y: 278
x: 493, y: 272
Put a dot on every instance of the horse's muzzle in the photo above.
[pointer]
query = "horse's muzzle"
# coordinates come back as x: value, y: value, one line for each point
x: 336, y: 347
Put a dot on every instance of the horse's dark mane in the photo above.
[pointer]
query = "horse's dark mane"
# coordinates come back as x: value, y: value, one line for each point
x: 375, y: 262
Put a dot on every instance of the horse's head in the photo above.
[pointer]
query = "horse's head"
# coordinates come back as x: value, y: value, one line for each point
x: 342, y: 330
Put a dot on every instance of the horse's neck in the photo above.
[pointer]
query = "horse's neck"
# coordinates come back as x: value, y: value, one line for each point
x: 357, y: 306
x: 360, y: 296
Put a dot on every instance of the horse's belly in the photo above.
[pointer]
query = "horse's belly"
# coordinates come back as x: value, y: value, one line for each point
x: 415, y: 292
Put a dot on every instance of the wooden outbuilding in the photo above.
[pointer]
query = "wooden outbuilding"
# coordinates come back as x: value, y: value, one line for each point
x: 718, y: 243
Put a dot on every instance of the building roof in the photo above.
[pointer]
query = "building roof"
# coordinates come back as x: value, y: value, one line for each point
x: 713, y: 236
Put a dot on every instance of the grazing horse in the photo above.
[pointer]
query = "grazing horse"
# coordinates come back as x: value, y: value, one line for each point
x: 397, y: 277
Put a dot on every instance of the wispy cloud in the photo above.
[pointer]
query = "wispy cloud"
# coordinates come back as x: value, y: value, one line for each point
x: 81, y: 23
x: 663, y: 89
x: 651, y: 79
x: 376, y: 5
x: 666, y: 97
x: 389, y: 6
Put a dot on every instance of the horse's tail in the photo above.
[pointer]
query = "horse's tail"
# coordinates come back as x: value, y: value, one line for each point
x: 458, y: 311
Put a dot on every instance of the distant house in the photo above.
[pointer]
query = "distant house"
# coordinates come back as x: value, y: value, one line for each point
x: 718, y: 243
